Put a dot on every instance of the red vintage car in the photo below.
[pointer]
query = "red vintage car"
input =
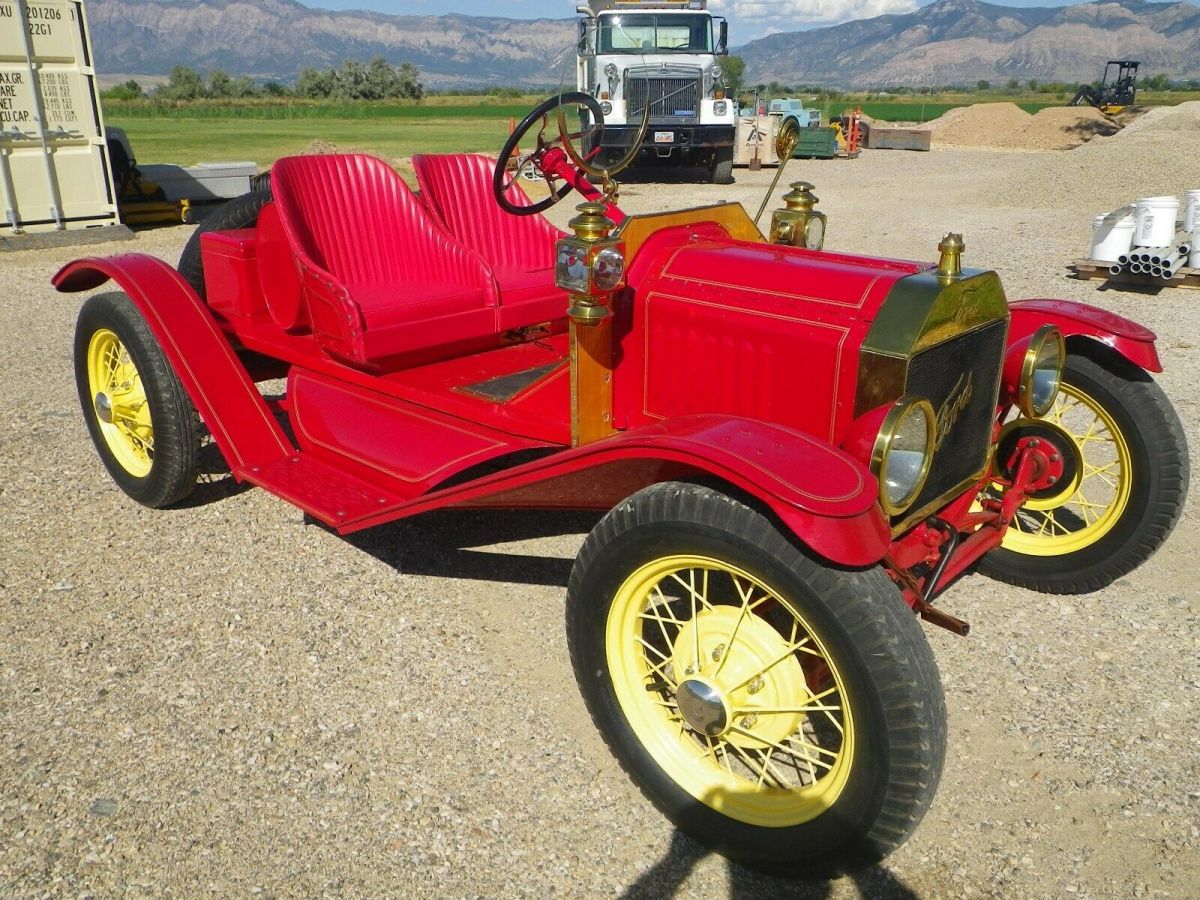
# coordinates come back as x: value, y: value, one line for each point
x: 796, y: 450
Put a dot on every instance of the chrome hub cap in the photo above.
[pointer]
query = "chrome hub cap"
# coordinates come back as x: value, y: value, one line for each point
x: 703, y: 707
x: 104, y: 408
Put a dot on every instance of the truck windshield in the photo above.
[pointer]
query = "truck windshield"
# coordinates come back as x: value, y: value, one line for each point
x: 628, y: 33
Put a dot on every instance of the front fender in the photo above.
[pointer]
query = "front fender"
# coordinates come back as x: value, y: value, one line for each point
x: 1133, y: 341
x: 825, y: 497
x: 224, y: 395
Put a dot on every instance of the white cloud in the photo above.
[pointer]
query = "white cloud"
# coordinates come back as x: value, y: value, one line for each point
x: 765, y: 16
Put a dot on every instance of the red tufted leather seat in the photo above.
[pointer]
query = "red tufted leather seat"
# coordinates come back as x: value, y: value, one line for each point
x: 378, y: 275
x: 519, y: 249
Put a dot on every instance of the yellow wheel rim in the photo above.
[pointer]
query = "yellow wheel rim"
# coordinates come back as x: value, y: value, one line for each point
x: 730, y: 690
x: 120, y: 404
x: 1077, y: 517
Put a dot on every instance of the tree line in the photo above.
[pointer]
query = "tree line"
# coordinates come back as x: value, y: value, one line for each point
x: 352, y: 80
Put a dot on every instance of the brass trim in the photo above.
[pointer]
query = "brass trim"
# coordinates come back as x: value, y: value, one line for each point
x: 883, y: 448
x: 1025, y: 385
x: 921, y: 311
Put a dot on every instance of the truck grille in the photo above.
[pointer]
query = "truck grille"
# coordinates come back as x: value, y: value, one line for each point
x: 942, y: 374
x: 674, y: 100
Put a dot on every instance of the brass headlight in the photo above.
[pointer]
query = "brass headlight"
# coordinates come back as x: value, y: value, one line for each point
x: 902, y: 453
x: 1041, y: 371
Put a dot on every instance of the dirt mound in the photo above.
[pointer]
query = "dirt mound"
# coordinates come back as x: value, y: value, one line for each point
x: 1184, y: 117
x: 980, y: 125
x: 1061, y: 128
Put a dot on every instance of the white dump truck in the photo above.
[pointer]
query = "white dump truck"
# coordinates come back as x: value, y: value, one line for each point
x: 665, y: 54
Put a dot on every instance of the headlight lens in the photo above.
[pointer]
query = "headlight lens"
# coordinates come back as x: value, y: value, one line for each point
x: 814, y: 233
x: 611, y: 70
x: 608, y: 269
x: 719, y: 107
x: 716, y: 72
x: 570, y: 266
x: 902, y: 453
x: 1041, y: 372
x: 606, y: 107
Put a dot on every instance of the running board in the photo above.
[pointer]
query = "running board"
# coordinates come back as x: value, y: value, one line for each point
x: 323, y: 491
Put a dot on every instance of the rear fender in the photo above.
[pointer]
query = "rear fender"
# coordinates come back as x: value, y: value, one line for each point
x: 1133, y: 341
x: 205, y: 363
x: 822, y: 495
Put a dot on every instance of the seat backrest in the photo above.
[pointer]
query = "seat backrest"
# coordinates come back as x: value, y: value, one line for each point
x: 458, y: 189
x: 355, y: 218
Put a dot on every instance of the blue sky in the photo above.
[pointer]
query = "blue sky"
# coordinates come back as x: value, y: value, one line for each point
x: 747, y: 18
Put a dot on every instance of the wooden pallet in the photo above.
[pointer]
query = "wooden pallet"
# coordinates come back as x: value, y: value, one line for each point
x: 1096, y: 268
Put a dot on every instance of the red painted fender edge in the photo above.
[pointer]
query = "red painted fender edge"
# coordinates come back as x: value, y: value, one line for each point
x: 1133, y: 341
x: 821, y: 494
x: 209, y: 370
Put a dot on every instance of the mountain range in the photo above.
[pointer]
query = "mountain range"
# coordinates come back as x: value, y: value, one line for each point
x: 946, y: 42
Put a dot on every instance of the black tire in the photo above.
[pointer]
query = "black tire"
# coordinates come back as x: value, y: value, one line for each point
x: 159, y: 471
x: 870, y: 640
x: 722, y: 166
x: 1158, y: 460
x: 240, y: 212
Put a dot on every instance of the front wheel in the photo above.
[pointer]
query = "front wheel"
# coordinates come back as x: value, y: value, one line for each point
x: 1124, y: 482
x: 722, y: 166
x: 786, y: 713
x: 141, y: 420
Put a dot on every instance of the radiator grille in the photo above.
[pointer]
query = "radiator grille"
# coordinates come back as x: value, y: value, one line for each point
x: 947, y: 369
x: 673, y: 100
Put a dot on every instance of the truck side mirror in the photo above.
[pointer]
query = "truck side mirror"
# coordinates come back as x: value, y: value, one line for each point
x: 584, y: 43
x: 723, y: 39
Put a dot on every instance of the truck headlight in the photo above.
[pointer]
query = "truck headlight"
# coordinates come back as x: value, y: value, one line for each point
x: 1041, y: 371
x: 611, y: 70
x: 720, y: 107
x: 606, y: 107
x: 902, y: 453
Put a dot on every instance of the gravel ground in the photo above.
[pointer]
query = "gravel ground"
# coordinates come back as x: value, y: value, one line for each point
x: 224, y: 699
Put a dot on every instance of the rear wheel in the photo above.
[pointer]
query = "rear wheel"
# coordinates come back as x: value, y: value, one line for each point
x: 722, y: 166
x: 786, y: 713
x: 1124, y: 482
x: 142, y: 422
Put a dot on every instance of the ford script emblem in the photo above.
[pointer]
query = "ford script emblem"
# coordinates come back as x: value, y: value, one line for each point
x: 953, y: 406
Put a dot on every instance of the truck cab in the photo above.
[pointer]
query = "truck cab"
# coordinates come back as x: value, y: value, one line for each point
x: 665, y: 55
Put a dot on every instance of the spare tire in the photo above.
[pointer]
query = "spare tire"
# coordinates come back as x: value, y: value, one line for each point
x: 240, y: 212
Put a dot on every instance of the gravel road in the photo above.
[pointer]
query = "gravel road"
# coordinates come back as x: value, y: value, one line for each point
x: 224, y: 699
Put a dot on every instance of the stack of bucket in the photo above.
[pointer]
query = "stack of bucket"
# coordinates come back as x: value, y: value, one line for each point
x: 1147, y: 238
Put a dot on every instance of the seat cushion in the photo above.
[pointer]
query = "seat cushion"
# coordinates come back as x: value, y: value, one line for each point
x: 528, y: 297
x: 402, y: 317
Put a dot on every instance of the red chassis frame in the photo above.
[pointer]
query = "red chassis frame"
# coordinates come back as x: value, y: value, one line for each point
x: 379, y: 446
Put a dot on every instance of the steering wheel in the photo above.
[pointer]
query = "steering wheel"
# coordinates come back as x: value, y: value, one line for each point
x: 555, y: 160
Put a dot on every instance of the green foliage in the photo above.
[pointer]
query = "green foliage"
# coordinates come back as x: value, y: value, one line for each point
x: 377, y: 80
x: 183, y: 84
x: 1013, y: 85
x: 130, y: 90
x: 983, y: 84
x: 733, y: 69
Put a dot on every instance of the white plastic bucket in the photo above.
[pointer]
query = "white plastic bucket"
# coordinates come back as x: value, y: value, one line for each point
x: 1155, y: 220
x: 1112, y: 235
x: 1191, y: 211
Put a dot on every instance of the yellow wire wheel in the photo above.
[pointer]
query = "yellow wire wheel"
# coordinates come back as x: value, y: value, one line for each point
x: 731, y: 690
x: 142, y: 423
x: 119, y: 403
x: 1094, y: 498
x: 1123, y: 483
x: 785, y: 712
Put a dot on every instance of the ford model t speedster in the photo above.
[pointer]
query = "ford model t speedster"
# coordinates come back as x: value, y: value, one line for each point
x: 796, y: 450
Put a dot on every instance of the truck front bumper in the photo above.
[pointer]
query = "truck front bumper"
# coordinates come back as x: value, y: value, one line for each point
x: 668, y: 137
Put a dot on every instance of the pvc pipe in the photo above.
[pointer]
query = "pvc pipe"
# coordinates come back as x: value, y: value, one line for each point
x: 1115, y: 269
x: 1135, y: 268
x: 1122, y: 260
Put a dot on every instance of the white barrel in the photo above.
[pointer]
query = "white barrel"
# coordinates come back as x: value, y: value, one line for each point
x: 1112, y: 236
x: 1155, y: 220
x: 1191, y: 211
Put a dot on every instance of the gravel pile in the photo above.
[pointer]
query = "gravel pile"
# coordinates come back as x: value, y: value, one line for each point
x: 226, y: 699
x: 979, y: 125
x: 1184, y: 117
x: 1005, y: 126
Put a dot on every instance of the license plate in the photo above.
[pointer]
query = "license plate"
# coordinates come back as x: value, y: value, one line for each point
x: 664, y: 137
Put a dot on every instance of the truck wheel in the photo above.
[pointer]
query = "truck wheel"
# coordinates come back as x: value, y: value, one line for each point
x: 142, y: 422
x: 1123, y: 488
x: 722, y: 166
x: 240, y: 212
x: 784, y: 712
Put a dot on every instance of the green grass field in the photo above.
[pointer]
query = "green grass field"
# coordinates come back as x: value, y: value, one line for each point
x: 263, y: 131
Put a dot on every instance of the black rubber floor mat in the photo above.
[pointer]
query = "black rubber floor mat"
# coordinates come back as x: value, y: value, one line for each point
x: 505, y: 387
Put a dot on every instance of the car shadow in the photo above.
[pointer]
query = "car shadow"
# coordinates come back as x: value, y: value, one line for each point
x: 442, y: 544
x: 667, y: 877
